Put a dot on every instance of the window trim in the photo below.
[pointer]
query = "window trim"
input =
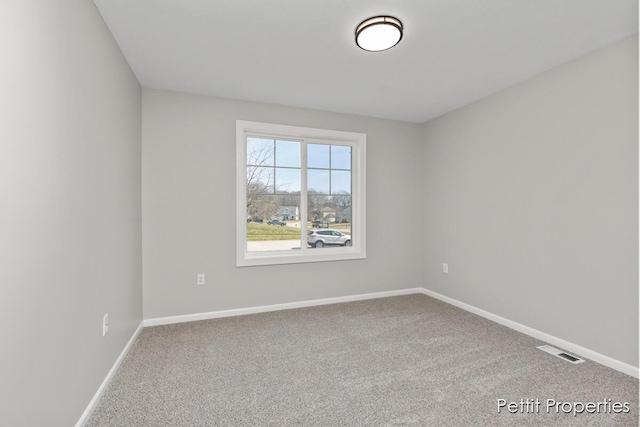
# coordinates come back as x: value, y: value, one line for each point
x: 357, y: 141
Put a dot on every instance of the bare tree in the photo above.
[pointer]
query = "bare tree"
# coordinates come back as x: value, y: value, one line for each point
x: 341, y: 200
x: 315, y: 204
x: 289, y: 199
x: 260, y: 177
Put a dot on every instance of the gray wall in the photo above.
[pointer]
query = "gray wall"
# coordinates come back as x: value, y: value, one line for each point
x: 70, y: 208
x: 531, y: 196
x: 188, y: 209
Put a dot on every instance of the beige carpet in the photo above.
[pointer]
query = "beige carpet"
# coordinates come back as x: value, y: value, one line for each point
x: 409, y: 360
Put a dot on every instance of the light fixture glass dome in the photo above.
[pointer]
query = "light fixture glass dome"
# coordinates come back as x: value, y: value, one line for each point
x: 379, y: 33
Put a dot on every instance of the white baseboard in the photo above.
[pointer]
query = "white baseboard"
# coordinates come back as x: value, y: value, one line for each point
x: 96, y: 398
x: 275, y: 307
x: 610, y: 362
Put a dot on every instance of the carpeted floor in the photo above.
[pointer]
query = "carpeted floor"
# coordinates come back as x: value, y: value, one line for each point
x: 401, y: 360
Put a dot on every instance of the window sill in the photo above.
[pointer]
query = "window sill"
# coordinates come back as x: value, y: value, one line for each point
x: 252, y: 259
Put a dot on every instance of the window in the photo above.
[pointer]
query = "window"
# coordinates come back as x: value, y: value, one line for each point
x: 300, y: 194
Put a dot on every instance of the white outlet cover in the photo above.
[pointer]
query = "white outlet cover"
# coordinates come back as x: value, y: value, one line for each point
x: 105, y: 325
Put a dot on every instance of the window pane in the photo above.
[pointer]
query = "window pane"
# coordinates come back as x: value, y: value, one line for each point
x: 315, y: 203
x: 288, y: 153
x: 273, y: 223
x: 340, y: 157
x: 287, y: 180
x: 332, y: 212
x: 340, y: 182
x: 318, y: 156
x: 260, y: 180
x: 260, y: 151
x: 318, y: 181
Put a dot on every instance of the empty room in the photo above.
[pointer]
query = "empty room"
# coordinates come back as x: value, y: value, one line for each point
x: 238, y: 213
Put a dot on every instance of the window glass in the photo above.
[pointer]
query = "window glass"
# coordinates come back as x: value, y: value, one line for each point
x: 273, y: 195
x: 260, y: 180
x: 260, y: 152
x: 290, y: 183
x: 288, y: 153
x: 318, y: 156
x: 340, y: 182
x: 318, y: 181
x: 287, y: 180
x: 340, y: 157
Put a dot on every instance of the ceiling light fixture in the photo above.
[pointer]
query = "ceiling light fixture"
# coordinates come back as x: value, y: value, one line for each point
x: 378, y: 33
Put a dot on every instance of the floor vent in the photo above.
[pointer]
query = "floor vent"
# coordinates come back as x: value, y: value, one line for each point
x: 561, y: 354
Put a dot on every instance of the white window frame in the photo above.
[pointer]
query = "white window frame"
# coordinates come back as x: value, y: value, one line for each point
x: 357, y: 142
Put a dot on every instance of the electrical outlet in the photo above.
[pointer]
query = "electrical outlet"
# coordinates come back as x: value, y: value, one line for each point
x: 201, y: 279
x: 105, y: 324
x: 445, y: 268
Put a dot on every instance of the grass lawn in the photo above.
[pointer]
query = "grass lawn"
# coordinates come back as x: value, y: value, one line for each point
x: 341, y: 227
x: 257, y: 232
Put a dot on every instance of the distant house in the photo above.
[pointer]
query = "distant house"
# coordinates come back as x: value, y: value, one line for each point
x: 328, y: 214
x: 285, y: 213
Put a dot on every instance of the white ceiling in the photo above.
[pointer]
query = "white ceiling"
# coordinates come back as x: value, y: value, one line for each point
x: 302, y: 52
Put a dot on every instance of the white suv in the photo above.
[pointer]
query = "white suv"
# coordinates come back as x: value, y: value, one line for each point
x: 324, y: 237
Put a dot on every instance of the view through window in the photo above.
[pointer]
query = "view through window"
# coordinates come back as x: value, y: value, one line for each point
x: 274, y: 196
x: 299, y: 196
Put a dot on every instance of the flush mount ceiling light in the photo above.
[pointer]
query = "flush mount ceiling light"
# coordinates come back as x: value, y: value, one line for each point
x: 378, y: 33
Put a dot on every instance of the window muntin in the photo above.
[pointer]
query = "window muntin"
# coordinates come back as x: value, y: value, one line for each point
x: 292, y: 180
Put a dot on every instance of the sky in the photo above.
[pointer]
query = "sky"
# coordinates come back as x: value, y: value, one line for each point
x: 328, y: 166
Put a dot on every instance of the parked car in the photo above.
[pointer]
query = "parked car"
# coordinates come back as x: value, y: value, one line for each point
x: 258, y: 220
x: 325, y: 237
x: 276, y: 222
